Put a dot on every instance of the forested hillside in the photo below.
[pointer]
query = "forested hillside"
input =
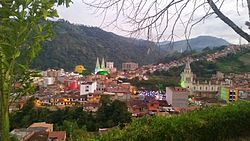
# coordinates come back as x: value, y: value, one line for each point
x: 79, y: 44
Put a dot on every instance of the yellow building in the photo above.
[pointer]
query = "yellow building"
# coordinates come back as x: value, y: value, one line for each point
x: 37, y: 103
x: 79, y: 69
x: 93, y: 98
x: 229, y: 94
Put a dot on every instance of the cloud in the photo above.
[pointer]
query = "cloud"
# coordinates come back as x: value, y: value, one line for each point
x: 82, y: 14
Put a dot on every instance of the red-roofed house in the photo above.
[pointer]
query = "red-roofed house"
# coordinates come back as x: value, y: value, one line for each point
x: 57, y: 136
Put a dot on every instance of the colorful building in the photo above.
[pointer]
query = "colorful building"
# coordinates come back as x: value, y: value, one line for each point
x: 79, y: 69
x: 100, y: 69
x: 229, y: 94
x: 71, y: 85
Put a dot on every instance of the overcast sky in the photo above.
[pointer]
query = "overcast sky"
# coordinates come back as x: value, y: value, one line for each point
x: 80, y: 13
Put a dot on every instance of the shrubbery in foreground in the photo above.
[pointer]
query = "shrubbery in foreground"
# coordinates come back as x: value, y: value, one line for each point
x: 211, y: 124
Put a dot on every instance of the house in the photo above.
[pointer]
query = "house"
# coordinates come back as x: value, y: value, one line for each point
x: 229, y: 94
x: 153, y: 107
x: 71, y: 84
x: 129, y: 66
x: 91, y: 107
x: 66, y: 99
x: 48, y: 81
x: 138, y: 108
x: 48, y: 127
x: 57, y: 136
x: 165, y: 107
x: 39, y: 136
x: 22, y: 134
x: 87, y: 87
x: 93, y: 97
x: 40, y: 131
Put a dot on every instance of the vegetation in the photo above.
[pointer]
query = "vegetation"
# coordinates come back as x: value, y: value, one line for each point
x: 235, y: 63
x: 194, y: 54
x: 79, y: 44
x: 74, y: 120
x: 232, y: 63
x: 22, y: 30
x: 204, y: 69
x: 159, y: 80
x: 210, y: 124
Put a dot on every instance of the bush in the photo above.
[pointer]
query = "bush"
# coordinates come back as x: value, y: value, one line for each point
x: 211, y: 124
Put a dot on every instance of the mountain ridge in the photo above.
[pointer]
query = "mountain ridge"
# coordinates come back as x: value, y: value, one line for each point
x: 75, y: 44
x: 198, y: 43
x: 80, y: 44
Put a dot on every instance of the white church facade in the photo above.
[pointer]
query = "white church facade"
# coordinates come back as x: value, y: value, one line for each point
x: 206, y: 88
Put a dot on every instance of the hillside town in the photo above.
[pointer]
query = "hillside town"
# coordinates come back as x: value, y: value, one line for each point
x: 124, y: 70
x: 57, y: 89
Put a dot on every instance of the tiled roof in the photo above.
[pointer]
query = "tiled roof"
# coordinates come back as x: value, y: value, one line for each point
x: 39, y: 136
x: 60, y: 135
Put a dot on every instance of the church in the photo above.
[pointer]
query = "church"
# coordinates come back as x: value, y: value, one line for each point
x: 104, y: 69
x: 204, y: 89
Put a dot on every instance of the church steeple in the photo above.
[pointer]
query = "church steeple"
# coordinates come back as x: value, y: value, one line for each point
x: 97, y: 63
x: 103, y: 64
x: 187, y: 75
x: 187, y: 67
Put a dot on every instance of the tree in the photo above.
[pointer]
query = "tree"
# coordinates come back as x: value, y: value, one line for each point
x: 155, y: 16
x: 112, y: 113
x: 23, y: 27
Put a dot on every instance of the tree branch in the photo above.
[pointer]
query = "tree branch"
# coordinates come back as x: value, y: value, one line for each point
x: 229, y: 22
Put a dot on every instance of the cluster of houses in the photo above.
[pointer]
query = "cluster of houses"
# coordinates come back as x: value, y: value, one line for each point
x: 59, y: 89
x: 40, y: 131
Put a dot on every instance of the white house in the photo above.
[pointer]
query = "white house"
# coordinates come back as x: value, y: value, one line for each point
x: 48, y: 81
x: 87, y: 87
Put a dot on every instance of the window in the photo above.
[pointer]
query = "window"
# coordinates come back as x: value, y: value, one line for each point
x: 200, y: 88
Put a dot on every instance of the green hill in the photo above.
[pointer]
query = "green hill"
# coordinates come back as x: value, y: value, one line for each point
x: 235, y: 63
x: 79, y: 44
x: 232, y: 63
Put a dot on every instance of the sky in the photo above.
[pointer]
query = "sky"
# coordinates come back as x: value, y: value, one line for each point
x: 80, y: 13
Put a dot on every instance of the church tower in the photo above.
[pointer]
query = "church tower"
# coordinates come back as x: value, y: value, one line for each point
x: 187, y: 76
x: 103, y: 64
x: 97, y: 66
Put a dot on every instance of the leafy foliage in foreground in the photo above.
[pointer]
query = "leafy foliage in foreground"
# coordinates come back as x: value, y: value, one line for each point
x: 211, y: 124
